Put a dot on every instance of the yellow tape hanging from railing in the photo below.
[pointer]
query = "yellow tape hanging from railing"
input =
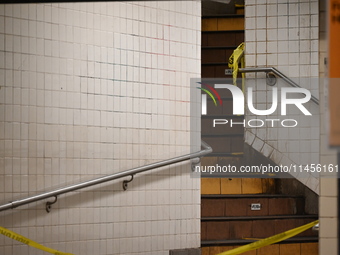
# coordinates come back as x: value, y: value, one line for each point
x: 234, y: 60
x: 270, y: 240
x: 24, y: 240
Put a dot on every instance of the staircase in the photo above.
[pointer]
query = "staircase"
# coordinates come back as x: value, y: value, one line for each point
x: 231, y: 220
x: 221, y: 34
x: 237, y: 211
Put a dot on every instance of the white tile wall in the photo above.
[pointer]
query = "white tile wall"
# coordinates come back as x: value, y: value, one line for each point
x: 88, y: 89
x: 291, y: 46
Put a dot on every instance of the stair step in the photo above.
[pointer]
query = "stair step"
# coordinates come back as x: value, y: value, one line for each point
x: 216, y: 71
x: 211, y: 196
x: 232, y: 15
x: 270, y: 217
x: 224, y: 230
x: 233, y: 47
x: 209, y: 161
x: 222, y: 135
x: 228, y: 23
x: 305, y: 247
x: 222, y: 38
x: 224, y: 110
x: 240, y: 175
x: 215, y: 64
x: 225, y: 154
x: 207, y: 127
x: 226, y: 144
x: 226, y: 116
x: 241, y: 31
x: 300, y: 239
x: 233, y: 186
x: 216, y: 55
x: 230, y: 207
x: 239, y: 10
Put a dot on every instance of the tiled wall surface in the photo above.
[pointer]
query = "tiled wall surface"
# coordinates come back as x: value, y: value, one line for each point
x: 284, y: 35
x: 90, y: 89
x: 328, y: 237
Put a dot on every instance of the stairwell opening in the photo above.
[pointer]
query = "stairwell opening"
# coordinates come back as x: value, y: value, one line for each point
x: 237, y: 211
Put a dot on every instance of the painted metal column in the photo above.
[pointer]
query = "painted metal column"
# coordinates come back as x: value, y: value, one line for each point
x: 334, y: 87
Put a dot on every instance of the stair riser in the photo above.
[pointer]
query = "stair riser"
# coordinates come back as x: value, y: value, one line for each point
x: 216, y: 55
x: 213, y: 71
x: 216, y: 39
x: 234, y: 185
x: 219, y: 230
x: 225, y: 144
x: 275, y: 249
x: 207, y: 127
x: 222, y: 24
x: 242, y: 207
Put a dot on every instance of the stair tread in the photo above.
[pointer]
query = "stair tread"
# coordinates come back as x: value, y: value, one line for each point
x: 225, y: 154
x: 226, y: 116
x: 218, y: 47
x: 214, y: 63
x: 212, y: 196
x: 247, y: 241
x: 223, y: 135
x: 223, y: 31
x: 231, y: 15
x: 270, y: 217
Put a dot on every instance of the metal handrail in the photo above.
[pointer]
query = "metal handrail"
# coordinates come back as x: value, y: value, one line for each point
x: 276, y: 72
x: 10, y: 205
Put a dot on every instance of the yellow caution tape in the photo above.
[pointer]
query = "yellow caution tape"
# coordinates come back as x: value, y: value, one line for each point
x: 24, y: 240
x: 270, y: 240
x: 234, y: 60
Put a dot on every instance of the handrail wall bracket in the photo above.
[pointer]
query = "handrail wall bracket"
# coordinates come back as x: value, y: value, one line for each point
x: 195, y: 162
x: 271, y: 79
x: 49, y: 204
x: 126, y: 183
x: 272, y: 71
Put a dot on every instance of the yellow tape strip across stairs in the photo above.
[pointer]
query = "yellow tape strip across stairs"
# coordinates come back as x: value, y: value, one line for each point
x: 253, y: 246
x: 24, y: 240
x: 270, y: 240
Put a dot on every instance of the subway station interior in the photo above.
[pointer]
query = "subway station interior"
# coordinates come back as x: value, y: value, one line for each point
x: 189, y: 127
